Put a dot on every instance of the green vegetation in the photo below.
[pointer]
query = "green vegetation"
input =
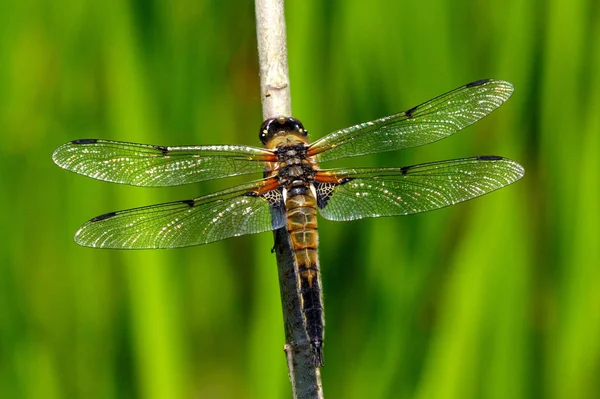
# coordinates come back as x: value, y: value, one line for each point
x: 494, y: 298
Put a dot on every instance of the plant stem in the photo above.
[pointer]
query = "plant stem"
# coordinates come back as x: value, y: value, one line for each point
x: 275, y: 97
x: 272, y: 58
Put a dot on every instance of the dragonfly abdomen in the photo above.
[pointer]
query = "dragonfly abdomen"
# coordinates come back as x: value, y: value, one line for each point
x: 302, y: 226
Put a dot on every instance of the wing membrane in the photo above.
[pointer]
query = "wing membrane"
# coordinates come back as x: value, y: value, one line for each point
x: 214, y: 217
x: 431, y: 121
x: 414, y: 189
x: 155, y: 166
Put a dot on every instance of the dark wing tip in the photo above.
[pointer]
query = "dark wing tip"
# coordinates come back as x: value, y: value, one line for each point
x: 477, y: 83
x: 57, y: 156
x: 497, y: 84
x: 490, y: 158
x: 103, y: 217
x: 84, y: 141
x: 517, y: 168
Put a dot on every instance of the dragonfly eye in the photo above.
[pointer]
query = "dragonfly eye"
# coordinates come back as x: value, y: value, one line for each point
x: 263, y: 136
x: 275, y: 126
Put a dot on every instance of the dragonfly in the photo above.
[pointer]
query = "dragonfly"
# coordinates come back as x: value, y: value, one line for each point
x: 294, y: 188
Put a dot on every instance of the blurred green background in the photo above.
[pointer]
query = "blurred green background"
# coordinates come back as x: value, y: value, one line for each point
x: 494, y: 298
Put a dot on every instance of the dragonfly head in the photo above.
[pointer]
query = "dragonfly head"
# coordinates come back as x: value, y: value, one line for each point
x: 290, y: 129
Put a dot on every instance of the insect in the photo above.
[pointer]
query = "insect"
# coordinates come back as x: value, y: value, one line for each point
x: 294, y: 187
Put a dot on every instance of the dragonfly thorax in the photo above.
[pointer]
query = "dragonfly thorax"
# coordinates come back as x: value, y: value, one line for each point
x: 292, y: 175
x: 293, y: 165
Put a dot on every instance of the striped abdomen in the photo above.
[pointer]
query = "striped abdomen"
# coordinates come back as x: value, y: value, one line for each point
x: 301, y: 210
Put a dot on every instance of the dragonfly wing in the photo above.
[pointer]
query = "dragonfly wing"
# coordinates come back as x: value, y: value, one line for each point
x: 229, y: 213
x: 363, y: 193
x: 155, y: 166
x: 431, y: 121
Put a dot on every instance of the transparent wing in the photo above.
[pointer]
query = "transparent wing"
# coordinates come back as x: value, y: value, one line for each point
x: 413, y: 189
x: 229, y: 213
x: 151, y: 165
x: 431, y: 121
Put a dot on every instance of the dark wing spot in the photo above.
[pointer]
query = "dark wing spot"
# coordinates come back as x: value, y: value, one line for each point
x: 410, y: 112
x: 162, y: 149
x: 405, y: 170
x: 274, y: 197
x: 325, y: 191
x: 103, y: 217
x: 477, y: 83
x: 489, y: 158
x: 189, y: 202
x: 85, y: 141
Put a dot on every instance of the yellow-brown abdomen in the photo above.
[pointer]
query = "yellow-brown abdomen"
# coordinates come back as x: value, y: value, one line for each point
x: 302, y: 226
x: 301, y: 210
